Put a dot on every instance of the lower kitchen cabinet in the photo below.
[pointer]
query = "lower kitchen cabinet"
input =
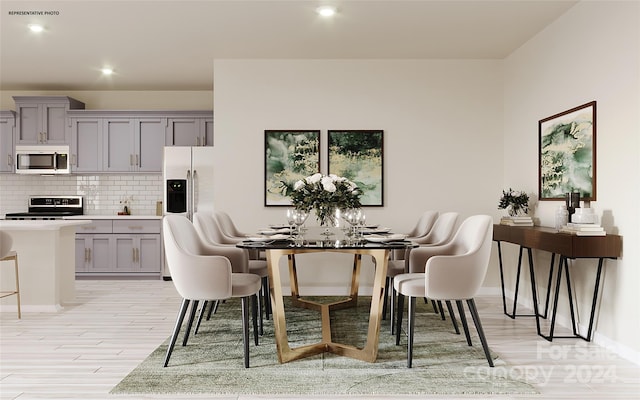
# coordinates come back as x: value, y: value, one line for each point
x: 119, y: 248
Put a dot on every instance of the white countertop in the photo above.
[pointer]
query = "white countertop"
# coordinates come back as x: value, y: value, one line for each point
x: 94, y: 217
x: 41, y: 225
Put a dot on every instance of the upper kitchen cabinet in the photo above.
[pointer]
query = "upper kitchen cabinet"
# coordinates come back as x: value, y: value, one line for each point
x: 117, y: 141
x: 190, y: 128
x: 43, y: 119
x: 7, y: 149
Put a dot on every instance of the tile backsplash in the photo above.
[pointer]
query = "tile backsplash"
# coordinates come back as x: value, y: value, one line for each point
x: 103, y: 194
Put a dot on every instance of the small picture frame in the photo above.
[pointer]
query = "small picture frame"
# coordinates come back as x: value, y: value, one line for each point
x: 358, y: 156
x: 567, y: 156
x: 289, y: 155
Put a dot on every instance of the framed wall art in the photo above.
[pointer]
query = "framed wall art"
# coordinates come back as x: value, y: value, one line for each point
x: 289, y: 155
x: 357, y: 155
x: 567, y: 157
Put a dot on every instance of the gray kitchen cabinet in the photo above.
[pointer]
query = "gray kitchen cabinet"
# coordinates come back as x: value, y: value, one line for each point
x: 119, y: 247
x: 118, y: 145
x: 137, y: 253
x: 7, y: 148
x: 190, y: 129
x: 117, y: 141
x: 94, y: 253
x: 43, y: 119
x: 94, y: 247
x: 86, y: 149
x: 149, y: 141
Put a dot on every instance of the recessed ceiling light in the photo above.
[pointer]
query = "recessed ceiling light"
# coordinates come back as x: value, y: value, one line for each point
x: 107, y: 71
x: 326, y: 11
x: 36, y: 28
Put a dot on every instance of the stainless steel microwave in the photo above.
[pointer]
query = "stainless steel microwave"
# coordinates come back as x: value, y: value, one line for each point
x: 42, y: 159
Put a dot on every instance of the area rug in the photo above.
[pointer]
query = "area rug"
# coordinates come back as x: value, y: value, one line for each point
x: 212, y: 361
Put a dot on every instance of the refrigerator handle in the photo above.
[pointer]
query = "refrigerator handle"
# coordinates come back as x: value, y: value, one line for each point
x: 189, y: 200
x: 195, y: 191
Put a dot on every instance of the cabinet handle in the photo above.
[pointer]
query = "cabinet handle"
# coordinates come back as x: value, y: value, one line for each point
x: 137, y: 160
x: 86, y: 255
x: 135, y: 227
x: 130, y: 159
x: 73, y: 159
x: 137, y: 255
x: 198, y: 141
x: 89, y: 255
x: 88, y: 227
x: 10, y: 160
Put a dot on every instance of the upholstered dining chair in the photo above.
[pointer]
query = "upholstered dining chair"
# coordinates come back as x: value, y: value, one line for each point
x: 453, y: 271
x: 231, y: 233
x: 441, y: 232
x: 8, y: 254
x: 199, y: 275
x: 424, y: 224
x: 210, y: 232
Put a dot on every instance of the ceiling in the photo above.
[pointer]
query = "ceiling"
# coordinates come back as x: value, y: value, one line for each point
x: 171, y: 45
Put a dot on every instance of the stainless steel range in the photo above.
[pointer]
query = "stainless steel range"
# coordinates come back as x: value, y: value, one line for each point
x: 51, y: 207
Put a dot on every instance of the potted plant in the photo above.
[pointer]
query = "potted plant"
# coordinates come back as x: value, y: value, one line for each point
x: 515, y: 202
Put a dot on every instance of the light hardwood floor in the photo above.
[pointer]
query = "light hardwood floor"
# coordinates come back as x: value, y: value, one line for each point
x: 85, y: 350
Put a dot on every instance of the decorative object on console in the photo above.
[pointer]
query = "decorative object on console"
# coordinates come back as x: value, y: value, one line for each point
x: 325, y: 194
x: 288, y: 156
x: 358, y: 156
x: 567, y: 158
x: 517, y: 221
x: 572, y: 201
x: 515, y: 202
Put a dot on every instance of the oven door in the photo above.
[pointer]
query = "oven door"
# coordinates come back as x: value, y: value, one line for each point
x: 42, y: 160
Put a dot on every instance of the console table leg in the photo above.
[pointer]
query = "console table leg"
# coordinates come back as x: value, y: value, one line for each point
x: 533, y: 290
x: 504, y: 299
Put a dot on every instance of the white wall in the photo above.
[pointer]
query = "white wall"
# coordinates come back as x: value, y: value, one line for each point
x: 590, y: 53
x: 442, y: 123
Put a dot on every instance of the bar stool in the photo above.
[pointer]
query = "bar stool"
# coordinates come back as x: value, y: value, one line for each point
x: 6, y: 254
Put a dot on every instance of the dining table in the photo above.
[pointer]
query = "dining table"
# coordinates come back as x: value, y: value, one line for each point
x: 320, y: 240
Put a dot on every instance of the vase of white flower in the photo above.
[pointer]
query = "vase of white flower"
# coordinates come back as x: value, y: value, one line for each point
x: 324, y: 194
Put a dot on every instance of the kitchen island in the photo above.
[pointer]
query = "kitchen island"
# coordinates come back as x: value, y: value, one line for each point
x: 46, y: 256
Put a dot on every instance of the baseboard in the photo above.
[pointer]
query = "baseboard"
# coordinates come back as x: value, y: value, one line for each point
x: 564, y: 322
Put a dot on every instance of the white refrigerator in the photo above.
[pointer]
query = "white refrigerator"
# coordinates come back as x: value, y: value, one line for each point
x: 188, y: 182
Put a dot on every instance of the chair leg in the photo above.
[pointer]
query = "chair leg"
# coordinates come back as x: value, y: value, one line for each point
x: 434, y: 305
x: 266, y: 292
x: 254, y: 317
x: 192, y: 314
x: 176, y: 330
x: 385, y: 301
x: 453, y: 317
x: 245, y: 330
x: 476, y: 320
x: 260, y: 308
x: 213, y: 309
x: 411, y: 320
x: 201, y: 315
x: 399, y: 311
x: 463, y: 319
x: 441, y: 310
x: 392, y: 310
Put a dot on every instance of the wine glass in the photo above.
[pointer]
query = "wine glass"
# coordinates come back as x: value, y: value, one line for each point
x: 352, y: 216
x: 299, y: 218
x: 291, y: 213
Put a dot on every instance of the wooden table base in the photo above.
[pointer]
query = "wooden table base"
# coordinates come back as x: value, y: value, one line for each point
x: 286, y: 353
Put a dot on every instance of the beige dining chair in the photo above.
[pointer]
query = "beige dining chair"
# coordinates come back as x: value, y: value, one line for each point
x: 7, y: 254
x: 440, y: 233
x: 210, y: 232
x: 200, y: 273
x: 453, y: 272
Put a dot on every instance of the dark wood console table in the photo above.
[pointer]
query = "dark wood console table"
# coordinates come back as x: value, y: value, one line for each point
x: 568, y: 247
